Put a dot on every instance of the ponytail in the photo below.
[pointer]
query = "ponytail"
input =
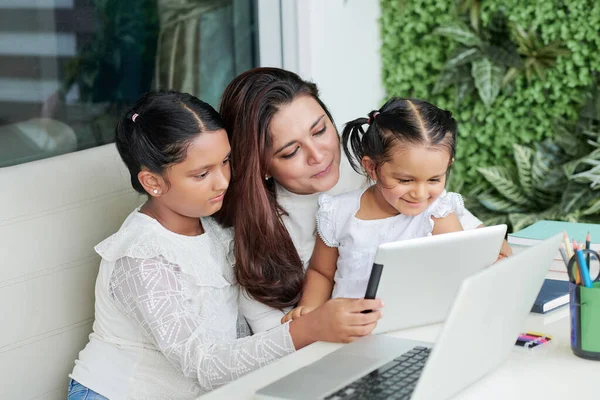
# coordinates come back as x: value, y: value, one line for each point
x: 352, y: 141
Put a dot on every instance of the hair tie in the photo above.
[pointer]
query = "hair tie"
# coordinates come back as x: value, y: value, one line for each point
x: 134, y: 116
x: 375, y: 114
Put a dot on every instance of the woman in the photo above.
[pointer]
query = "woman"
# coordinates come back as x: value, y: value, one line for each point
x: 285, y: 151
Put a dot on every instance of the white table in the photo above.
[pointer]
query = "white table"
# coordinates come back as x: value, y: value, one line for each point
x: 555, y: 373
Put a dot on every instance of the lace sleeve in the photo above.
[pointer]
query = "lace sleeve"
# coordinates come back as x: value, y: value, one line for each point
x: 326, y: 223
x: 153, y: 294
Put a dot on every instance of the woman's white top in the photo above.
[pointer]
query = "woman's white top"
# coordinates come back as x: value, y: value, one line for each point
x: 357, y: 239
x: 301, y: 224
x: 165, y: 316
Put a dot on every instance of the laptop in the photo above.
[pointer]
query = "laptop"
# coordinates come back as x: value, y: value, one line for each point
x: 493, y: 303
x: 434, y: 266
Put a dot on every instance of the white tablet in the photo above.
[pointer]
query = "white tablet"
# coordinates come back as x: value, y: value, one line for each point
x: 418, y: 279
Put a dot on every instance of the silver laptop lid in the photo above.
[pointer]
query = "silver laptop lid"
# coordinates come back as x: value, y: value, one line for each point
x: 484, y: 322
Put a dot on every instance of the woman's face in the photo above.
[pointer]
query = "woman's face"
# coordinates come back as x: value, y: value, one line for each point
x: 306, y: 147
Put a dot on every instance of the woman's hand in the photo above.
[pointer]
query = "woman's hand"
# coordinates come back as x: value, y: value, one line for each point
x: 338, y: 320
x: 296, y: 313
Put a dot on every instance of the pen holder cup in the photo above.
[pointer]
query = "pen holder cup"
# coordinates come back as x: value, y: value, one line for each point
x: 584, y: 306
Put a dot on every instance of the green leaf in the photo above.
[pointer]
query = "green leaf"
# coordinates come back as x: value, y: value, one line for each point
x: 546, y: 174
x: 488, y: 79
x: 519, y: 221
x: 475, y: 15
x: 498, y: 204
x: 506, y: 55
x: 491, y: 219
x: 591, y: 176
x: 566, y: 140
x: 593, y: 209
x: 463, y: 89
x: 576, y: 196
x: 463, y: 56
x: 523, y: 158
x: 510, y: 76
x: 592, y: 159
x: 446, y: 78
x: 459, y: 32
x: 504, y: 182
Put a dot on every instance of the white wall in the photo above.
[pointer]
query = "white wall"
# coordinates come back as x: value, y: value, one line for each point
x: 334, y: 43
x: 339, y: 44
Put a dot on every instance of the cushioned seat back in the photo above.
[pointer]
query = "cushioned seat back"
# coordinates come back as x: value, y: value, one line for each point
x: 53, y: 212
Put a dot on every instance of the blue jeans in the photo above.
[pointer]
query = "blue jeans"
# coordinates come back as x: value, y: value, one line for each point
x: 79, y: 392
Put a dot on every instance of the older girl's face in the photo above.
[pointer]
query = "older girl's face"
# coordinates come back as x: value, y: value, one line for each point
x: 306, y: 147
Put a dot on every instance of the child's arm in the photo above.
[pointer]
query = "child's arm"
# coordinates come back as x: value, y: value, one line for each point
x: 318, y: 283
x: 447, y: 224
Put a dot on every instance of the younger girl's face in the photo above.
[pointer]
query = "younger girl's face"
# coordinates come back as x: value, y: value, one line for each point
x: 306, y: 147
x: 413, y: 179
x: 198, y: 184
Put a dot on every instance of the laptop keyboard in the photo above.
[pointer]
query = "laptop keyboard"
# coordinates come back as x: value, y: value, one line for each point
x: 395, y: 380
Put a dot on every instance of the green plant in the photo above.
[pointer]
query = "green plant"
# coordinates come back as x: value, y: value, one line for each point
x: 480, y: 60
x: 558, y: 179
x: 538, y: 57
x: 472, y: 8
x: 412, y: 59
x: 495, y: 61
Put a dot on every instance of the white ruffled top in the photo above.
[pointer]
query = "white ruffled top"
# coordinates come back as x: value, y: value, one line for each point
x: 166, y: 316
x: 357, y: 240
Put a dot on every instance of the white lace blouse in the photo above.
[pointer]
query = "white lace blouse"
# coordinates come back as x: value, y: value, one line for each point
x: 166, y: 313
x: 357, y: 240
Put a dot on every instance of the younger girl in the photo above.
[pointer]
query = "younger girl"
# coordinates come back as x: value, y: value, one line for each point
x: 406, y: 151
x: 166, y: 296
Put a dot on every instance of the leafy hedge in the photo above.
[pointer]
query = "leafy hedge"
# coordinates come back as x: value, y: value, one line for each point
x: 523, y: 113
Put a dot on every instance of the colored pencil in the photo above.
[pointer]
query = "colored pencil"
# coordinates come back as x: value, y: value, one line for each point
x: 587, y: 247
x: 576, y: 265
x: 568, y: 248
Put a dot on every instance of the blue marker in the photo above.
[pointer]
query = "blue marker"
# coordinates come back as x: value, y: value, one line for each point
x: 585, y: 272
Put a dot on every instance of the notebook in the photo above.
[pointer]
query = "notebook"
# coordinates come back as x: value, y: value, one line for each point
x: 553, y: 294
x: 543, y: 230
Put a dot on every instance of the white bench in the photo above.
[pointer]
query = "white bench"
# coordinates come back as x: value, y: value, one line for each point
x: 52, y: 213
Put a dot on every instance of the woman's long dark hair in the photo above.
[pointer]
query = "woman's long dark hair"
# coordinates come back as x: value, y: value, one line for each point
x: 267, y: 263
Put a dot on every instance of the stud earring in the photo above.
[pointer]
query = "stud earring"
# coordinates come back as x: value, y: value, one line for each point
x: 267, y: 177
x: 155, y: 191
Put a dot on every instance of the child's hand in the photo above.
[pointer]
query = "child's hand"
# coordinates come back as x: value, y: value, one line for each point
x: 505, y: 251
x: 296, y: 313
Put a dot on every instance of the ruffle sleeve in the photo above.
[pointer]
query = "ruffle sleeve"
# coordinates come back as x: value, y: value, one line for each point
x: 445, y: 205
x: 141, y: 237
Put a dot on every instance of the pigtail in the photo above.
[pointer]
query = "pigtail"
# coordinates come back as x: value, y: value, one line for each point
x: 352, y: 141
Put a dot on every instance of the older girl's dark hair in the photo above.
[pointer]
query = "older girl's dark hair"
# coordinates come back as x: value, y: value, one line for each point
x: 398, y: 122
x: 156, y: 132
x: 267, y: 263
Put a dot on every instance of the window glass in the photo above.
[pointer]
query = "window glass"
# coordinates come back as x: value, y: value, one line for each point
x: 68, y: 68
